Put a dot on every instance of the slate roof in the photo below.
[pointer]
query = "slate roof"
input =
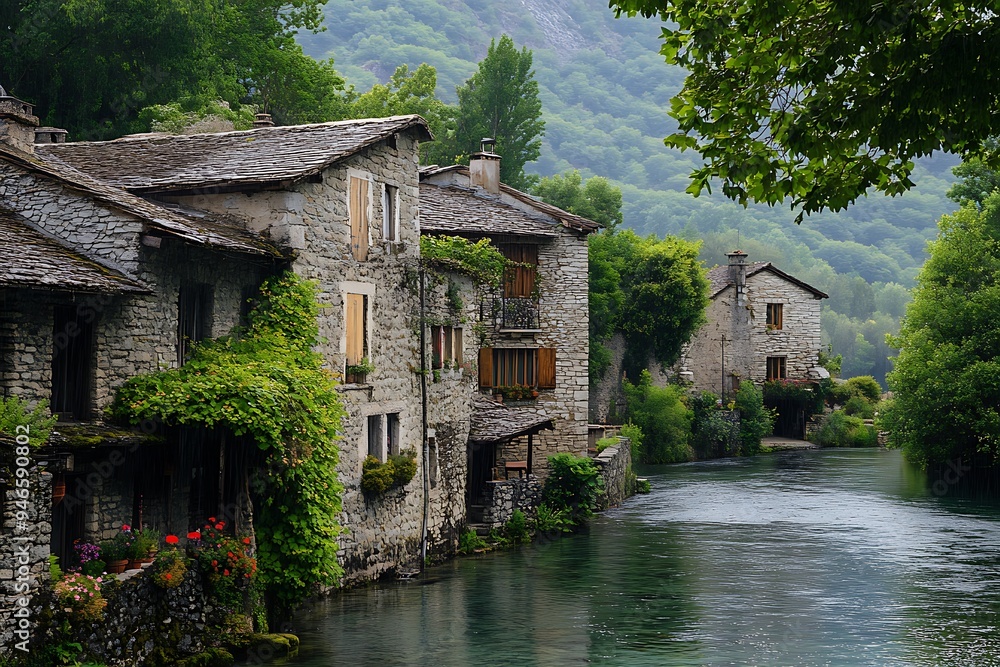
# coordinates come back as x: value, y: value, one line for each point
x: 495, y: 422
x: 28, y: 258
x: 199, y: 161
x: 718, y: 278
x: 455, y: 210
x: 200, y: 229
x: 566, y: 218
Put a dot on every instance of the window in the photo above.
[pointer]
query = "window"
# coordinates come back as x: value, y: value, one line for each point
x: 530, y: 367
x: 73, y: 342
x: 519, y: 281
x: 194, y: 317
x: 390, y: 215
x: 776, y: 368
x: 357, y: 334
x: 358, y: 212
x: 774, y: 315
x: 392, y: 433
x: 375, y: 437
x: 446, y: 346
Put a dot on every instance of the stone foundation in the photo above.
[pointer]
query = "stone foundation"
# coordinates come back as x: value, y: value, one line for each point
x: 502, y: 498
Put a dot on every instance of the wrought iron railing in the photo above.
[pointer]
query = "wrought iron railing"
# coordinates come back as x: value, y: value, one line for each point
x: 516, y: 313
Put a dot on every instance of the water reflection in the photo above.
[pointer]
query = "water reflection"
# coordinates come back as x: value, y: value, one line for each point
x: 805, y: 558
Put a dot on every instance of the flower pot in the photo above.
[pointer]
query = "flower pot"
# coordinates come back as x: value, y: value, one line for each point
x: 117, y: 566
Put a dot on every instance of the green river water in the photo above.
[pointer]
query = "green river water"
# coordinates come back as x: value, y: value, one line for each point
x: 835, y: 557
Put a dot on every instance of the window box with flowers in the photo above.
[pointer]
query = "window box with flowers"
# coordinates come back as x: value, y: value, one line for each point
x: 358, y: 373
x: 516, y: 392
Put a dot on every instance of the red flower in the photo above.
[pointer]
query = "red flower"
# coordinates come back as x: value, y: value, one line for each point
x: 219, y: 526
x: 168, y: 576
x: 214, y: 563
x: 225, y: 573
x: 125, y: 526
x: 246, y: 540
x: 211, y: 519
x: 194, y: 535
x: 171, y: 539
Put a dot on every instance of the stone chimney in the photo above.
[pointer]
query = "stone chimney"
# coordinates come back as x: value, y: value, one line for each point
x: 738, y: 274
x: 50, y: 135
x: 17, y: 123
x: 484, y: 167
x: 262, y: 120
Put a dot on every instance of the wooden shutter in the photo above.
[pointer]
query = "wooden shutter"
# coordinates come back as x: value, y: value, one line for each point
x: 546, y: 368
x: 520, y: 280
x: 355, y: 328
x: 486, y: 367
x: 359, y: 218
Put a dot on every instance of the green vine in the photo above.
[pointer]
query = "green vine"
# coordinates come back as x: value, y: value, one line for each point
x: 268, y: 383
x: 479, y: 259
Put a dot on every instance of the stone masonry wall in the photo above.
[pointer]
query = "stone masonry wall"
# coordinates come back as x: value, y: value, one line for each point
x: 24, y: 555
x: 313, y: 218
x: 748, y: 342
x: 615, y: 463
x: 503, y: 497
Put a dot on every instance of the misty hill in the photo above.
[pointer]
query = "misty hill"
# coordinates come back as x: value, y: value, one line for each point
x: 605, y: 91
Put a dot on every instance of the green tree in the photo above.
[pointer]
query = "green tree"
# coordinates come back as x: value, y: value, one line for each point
x: 91, y: 66
x: 652, y: 290
x: 596, y: 199
x: 978, y: 180
x: 820, y: 101
x: 946, y: 381
x: 412, y: 93
x: 501, y: 101
x: 663, y: 417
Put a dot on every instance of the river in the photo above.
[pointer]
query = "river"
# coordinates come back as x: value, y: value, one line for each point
x: 832, y: 557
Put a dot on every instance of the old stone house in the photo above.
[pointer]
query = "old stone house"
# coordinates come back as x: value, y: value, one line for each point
x: 532, y: 342
x: 762, y: 324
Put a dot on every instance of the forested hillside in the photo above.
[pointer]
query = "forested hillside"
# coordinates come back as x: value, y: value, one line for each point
x: 605, y: 91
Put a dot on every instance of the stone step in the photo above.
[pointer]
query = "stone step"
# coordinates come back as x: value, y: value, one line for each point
x: 481, y: 529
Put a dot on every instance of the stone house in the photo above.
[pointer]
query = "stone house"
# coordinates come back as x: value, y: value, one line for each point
x: 532, y: 341
x: 762, y: 324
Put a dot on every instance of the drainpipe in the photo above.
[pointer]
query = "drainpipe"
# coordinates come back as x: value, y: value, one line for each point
x: 423, y: 420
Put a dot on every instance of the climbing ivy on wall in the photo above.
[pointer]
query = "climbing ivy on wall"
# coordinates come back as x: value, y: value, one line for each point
x: 478, y: 259
x: 268, y: 383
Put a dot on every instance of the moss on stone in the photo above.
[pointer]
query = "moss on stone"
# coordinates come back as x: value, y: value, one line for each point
x: 82, y: 436
x: 213, y: 657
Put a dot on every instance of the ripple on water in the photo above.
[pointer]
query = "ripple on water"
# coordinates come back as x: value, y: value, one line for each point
x: 805, y: 558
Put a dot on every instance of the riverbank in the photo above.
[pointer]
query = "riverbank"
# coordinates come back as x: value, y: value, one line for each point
x: 778, y: 444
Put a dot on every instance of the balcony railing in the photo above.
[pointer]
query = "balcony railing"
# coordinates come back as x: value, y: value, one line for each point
x: 515, y: 313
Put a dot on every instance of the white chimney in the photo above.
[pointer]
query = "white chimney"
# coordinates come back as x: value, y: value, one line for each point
x: 484, y: 167
x: 17, y: 123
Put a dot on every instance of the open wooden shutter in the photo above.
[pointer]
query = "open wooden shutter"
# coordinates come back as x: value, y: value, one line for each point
x: 546, y: 368
x: 355, y: 328
x: 486, y: 367
x: 359, y: 218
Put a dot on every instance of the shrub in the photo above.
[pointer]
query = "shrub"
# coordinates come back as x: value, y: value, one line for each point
x: 574, y: 485
x: 842, y: 430
x: 604, y: 443
x: 469, y: 541
x: 516, y: 529
x: 378, y: 477
x: 858, y: 406
x: 712, y: 435
x: 664, y: 419
x: 865, y: 386
x: 79, y: 595
x: 635, y: 435
x: 756, y: 421
x: 549, y: 520
x: 169, y: 568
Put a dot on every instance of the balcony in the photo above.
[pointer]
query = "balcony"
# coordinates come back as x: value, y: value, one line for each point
x: 515, y: 313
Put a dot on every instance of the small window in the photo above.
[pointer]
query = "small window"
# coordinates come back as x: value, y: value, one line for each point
x: 358, y: 212
x: 519, y: 280
x: 392, y: 433
x: 446, y: 347
x: 774, y: 315
x: 390, y: 216
x: 776, y: 368
x: 457, y: 355
x: 356, y: 334
x: 194, y: 318
x: 528, y: 367
x: 375, y: 437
